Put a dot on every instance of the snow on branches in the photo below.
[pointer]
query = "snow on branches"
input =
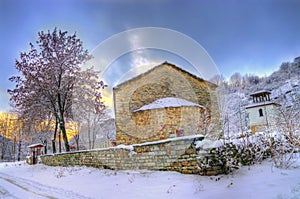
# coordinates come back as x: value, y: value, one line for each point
x: 51, y: 79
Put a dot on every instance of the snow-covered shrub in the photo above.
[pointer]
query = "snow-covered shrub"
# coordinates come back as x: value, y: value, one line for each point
x: 285, y: 141
x: 231, y: 155
x: 284, y: 150
x: 244, y: 151
x: 225, y: 156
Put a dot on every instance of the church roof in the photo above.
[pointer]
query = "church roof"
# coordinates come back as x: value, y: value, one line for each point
x: 36, y: 145
x: 167, y: 103
x: 163, y: 65
x: 260, y: 92
x: 262, y: 104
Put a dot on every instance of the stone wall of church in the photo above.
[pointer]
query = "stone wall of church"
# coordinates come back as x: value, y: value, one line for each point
x: 161, y: 82
x: 159, y: 124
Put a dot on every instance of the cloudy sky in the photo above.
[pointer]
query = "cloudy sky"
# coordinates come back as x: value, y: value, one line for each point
x: 246, y: 36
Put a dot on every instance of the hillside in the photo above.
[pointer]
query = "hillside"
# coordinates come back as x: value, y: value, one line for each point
x: 234, y: 95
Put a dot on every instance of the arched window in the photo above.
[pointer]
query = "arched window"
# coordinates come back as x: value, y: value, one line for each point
x: 260, y: 111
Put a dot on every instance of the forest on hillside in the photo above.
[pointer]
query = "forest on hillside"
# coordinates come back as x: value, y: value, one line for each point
x: 234, y: 94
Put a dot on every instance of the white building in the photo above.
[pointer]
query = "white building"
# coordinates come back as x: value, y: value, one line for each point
x: 262, y: 112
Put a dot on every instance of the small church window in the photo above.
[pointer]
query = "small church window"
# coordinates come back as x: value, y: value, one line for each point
x: 261, y: 114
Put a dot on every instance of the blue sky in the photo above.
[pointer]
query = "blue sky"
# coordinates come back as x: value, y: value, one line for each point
x: 246, y: 36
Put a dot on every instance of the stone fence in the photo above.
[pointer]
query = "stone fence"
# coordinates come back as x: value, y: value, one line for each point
x: 176, y: 154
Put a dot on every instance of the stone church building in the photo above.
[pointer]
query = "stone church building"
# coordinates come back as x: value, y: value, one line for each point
x: 164, y: 102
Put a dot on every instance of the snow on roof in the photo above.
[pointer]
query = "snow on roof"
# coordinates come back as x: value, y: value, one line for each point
x: 261, y: 104
x: 189, y: 137
x: 167, y: 103
x: 36, y: 145
x: 208, y: 144
x: 259, y: 92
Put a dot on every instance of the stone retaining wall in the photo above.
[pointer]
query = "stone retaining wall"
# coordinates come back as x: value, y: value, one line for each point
x: 178, y: 154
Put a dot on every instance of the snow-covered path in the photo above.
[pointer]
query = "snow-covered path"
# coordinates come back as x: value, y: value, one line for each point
x: 19, y: 180
x: 24, y: 188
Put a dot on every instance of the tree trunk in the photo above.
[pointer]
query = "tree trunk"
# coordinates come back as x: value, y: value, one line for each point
x: 59, y: 141
x: 64, y: 135
x: 14, y: 148
x: 45, y: 146
x: 54, y: 137
x: 89, y: 134
x: 77, y: 140
x: 19, y: 151
x: 2, y: 152
x: 62, y: 127
x: 53, y: 147
x: 3, y: 148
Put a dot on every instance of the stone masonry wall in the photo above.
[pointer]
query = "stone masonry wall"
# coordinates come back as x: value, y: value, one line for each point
x: 178, y: 154
x: 160, y: 124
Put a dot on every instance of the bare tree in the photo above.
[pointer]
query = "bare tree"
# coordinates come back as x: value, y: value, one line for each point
x: 8, y: 135
x: 217, y: 79
x: 4, y: 141
x: 88, y: 117
x: 286, y: 139
x: 236, y: 80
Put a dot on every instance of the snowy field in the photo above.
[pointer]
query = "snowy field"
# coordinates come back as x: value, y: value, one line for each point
x: 19, y: 180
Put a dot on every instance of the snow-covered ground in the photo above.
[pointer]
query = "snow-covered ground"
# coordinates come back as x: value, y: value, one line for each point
x: 19, y: 180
